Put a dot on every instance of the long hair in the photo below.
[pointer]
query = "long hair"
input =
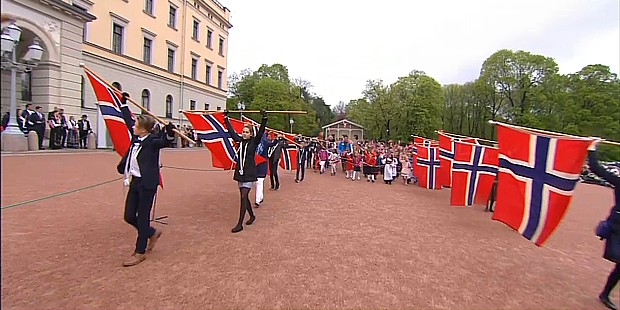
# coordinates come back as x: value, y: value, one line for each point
x: 250, y: 128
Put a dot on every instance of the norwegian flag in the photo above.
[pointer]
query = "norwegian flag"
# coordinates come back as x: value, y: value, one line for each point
x: 288, y: 160
x: 212, y: 130
x: 446, y: 155
x: 426, y: 166
x: 536, y: 178
x: 117, y: 116
x: 474, y: 168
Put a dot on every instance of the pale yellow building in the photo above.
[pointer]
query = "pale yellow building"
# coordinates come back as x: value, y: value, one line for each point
x: 167, y: 54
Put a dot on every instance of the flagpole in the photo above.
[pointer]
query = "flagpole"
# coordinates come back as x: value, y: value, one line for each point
x: 462, y: 136
x: 134, y: 103
x: 244, y: 111
x: 551, y: 132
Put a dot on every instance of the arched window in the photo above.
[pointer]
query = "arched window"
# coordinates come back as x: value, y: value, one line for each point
x: 169, y: 106
x: 146, y: 99
x: 117, y: 85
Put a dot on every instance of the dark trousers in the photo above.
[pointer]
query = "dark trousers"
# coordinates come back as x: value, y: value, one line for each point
x: 138, y: 211
x: 83, y: 139
x: 273, y: 176
x: 301, y: 167
x: 612, y: 280
x: 63, y: 134
x: 40, y: 130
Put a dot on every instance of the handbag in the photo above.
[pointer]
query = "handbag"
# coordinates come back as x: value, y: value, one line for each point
x: 603, y: 230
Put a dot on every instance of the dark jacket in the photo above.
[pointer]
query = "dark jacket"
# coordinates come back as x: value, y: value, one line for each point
x: 248, y: 147
x: 262, y: 169
x: 148, y: 158
x: 612, y: 244
x: 302, y: 155
x: 274, y: 149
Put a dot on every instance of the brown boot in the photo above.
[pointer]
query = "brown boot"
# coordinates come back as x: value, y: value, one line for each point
x: 134, y: 260
x: 153, y: 239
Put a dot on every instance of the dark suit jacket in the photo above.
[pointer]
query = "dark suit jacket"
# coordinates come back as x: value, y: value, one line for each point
x: 612, y: 244
x: 36, y: 120
x: 148, y: 158
x: 276, y: 152
x: 249, y: 168
x: 302, y: 155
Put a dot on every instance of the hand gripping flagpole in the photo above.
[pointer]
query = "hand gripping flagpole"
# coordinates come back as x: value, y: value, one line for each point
x: 157, y: 118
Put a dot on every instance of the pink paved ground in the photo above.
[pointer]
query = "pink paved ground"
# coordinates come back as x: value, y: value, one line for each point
x: 325, y: 243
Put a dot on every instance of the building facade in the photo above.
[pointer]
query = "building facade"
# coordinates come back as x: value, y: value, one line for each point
x: 344, y: 127
x: 58, y: 27
x: 169, y: 55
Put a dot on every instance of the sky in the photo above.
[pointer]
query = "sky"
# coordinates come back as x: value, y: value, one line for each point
x: 339, y: 45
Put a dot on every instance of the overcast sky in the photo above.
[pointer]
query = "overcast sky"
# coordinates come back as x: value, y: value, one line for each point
x: 338, y: 45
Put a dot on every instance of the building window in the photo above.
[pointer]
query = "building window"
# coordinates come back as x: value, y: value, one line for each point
x: 148, y: 6
x: 192, y: 105
x: 147, y: 50
x: 27, y: 86
x: 219, y: 108
x: 220, y: 74
x: 194, y: 72
x: 195, y: 31
x: 172, y: 17
x: 208, y: 73
x: 169, y: 106
x: 117, y: 85
x: 170, y: 60
x: 82, y: 92
x: 209, y: 39
x: 206, y: 107
x: 221, y: 51
x: 146, y: 99
x: 117, y: 38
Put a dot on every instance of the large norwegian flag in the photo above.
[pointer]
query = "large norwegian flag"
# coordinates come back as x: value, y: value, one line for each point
x: 288, y: 160
x: 211, y: 129
x: 426, y: 166
x: 536, y: 178
x: 446, y: 155
x: 117, y: 116
x: 474, y: 169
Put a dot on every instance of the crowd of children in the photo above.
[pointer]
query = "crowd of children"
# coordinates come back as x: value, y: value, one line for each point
x: 372, y: 159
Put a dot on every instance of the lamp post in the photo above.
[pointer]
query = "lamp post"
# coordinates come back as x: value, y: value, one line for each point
x: 241, y: 107
x: 13, y: 139
x: 291, y: 121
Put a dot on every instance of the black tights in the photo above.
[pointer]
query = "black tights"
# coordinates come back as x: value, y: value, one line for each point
x: 612, y: 280
x: 246, y: 206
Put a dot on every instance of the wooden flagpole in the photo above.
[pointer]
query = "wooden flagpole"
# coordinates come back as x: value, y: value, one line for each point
x: 551, y: 132
x: 245, y: 111
x: 136, y: 104
x: 462, y: 136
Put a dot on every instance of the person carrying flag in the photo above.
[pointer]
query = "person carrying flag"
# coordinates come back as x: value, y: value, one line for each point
x: 140, y: 165
x: 612, y: 242
x: 274, y: 152
x: 245, y: 169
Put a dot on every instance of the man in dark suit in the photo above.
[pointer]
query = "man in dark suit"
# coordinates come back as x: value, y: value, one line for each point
x: 140, y: 165
x: 302, y: 158
x: 274, y: 152
x: 38, y: 121
x: 83, y: 130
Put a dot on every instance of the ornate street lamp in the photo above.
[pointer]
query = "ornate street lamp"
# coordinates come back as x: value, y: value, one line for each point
x: 241, y: 107
x: 13, y: 138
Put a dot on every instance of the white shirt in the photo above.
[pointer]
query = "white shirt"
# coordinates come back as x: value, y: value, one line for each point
x: 134, y: 168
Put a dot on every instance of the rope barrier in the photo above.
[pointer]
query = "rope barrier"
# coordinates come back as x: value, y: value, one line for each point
x: 193, y: 169
x: 59, y: 194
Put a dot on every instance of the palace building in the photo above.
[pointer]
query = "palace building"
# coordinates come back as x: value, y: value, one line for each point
x: 167, y: 54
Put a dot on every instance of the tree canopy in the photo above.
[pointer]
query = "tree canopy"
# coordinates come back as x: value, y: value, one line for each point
x: 516, y: 87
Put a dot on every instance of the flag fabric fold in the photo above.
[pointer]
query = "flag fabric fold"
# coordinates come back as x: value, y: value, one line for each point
x: 446, y: 155
x: 536, y: 178
x: 211, y: 130
x: 426, y: 166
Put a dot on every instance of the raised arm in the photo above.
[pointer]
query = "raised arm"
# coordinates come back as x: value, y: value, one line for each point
x: 165, y: 139
x: 231, y: 130
x: 261, y: 129
x: 599, y: 170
